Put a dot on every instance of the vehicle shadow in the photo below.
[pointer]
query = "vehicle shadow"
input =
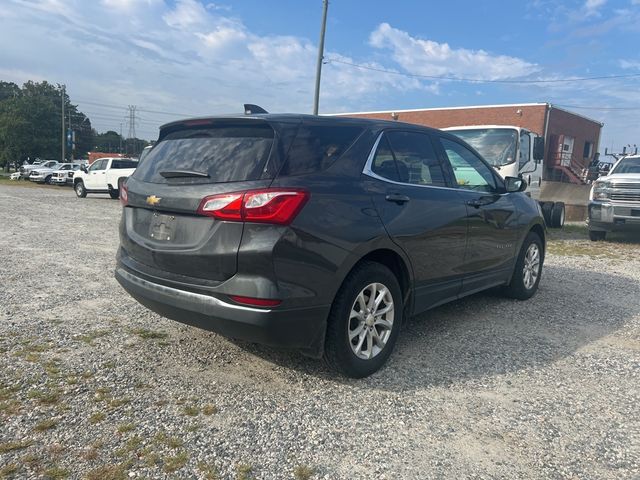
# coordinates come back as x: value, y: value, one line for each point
x: 487, y: 335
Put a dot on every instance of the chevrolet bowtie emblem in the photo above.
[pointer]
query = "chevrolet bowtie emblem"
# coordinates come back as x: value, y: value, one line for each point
x: 153, y: 200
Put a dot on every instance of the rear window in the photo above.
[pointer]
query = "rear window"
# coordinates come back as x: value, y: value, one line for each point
x: 316, y: 147
x: 225, y: 153
x: 124, y: 164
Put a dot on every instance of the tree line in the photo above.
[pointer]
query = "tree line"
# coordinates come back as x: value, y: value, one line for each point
x: 30, y: 126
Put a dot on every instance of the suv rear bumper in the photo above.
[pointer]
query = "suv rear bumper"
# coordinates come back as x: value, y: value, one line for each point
x: 301, y: 328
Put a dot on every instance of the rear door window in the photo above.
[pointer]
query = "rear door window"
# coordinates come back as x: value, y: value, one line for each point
x: 316, y: 147
x: 119, y: 164
x: 416, y: 159
x: 225, y: 153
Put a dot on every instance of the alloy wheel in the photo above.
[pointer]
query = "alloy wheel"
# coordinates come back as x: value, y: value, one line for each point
x: 531, y: 267
x: 370, y: 321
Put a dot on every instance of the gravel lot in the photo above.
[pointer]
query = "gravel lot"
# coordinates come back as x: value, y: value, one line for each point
x: 92, y: 385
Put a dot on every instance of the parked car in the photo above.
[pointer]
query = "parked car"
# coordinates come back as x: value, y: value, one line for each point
x: 320, y: 233
x: 43, y: 173
x: 64, y: 174
x: 105, y: 175
x: 614, y: 201
x: 25, y: 170
x: 14, y: 176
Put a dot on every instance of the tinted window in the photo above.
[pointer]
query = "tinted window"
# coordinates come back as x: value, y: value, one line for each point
x: 469, y: 171
x: 99, y: 165
x: 225, y: 153
x: 315, y: 148
x: 415, y: 158
x: 525, y: 149
x: 628, y: 165
x: 124, y: 164
x: 384, y: 163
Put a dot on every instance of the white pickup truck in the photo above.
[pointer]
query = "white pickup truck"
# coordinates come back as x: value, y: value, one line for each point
x: 105, y: 175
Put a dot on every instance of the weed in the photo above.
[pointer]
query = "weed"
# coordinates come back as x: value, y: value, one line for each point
x: 87, y: 374
x: 176, y: 462
x: 164, y: 439
x: 209, y: 409
x: 50, y: 397
x: 191, y: 410
x: 303, y: 472
x: 56, y: 449
x: 125, y: 427
x: 130, y: 446
x: 108, y: 472
x: 148, y: 334
x: 88, y: 338
x: 90, y: 454
x: 9, y: 470
x: 119, y: 402
x: 11, y: 446
x: 11, y: 407
x: 45, y: 425
x: 210, y: 472
x: 97, y: 417
x: 56, y: 473
x: 243, y: 471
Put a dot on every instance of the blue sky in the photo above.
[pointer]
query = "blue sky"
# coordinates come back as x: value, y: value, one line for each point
x: 177, y: 57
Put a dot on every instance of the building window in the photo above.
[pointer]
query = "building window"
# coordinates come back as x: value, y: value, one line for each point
x: 588, y: 150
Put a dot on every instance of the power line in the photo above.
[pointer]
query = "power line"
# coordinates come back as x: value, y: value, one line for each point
x: 480, y: 80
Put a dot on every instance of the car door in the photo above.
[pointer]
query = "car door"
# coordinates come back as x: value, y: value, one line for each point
x: 491, y: 217
x: 421, y: 213
x: 96, y: 175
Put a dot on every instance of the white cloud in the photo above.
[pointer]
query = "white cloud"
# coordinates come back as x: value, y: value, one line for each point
x: 426, y: 57
x: 187, y: 13
x: 592, y: 7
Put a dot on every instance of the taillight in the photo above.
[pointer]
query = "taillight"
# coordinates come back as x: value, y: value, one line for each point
x: 273, y: 205
x: 124, y: 195
x: 255, y: 302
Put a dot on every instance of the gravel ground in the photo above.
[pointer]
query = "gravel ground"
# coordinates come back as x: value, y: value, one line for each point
x: 93, y: 385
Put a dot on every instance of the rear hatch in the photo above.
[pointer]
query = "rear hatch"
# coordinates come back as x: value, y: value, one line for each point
x: 161, y: 227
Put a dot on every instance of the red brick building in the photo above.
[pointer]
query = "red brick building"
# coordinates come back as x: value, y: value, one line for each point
x: 571, y: 140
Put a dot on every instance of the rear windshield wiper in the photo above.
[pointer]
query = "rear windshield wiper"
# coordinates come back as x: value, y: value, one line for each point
x: 183, y: 173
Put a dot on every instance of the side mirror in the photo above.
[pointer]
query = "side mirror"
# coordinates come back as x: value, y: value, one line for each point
x: 83, y: 168
x: 515, y: 184
x: 538, y: 149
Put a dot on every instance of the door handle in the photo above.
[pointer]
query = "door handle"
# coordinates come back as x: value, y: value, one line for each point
x: 397, y: 198
x: 476, y: 203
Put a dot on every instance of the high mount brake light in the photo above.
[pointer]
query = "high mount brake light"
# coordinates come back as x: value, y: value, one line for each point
x: 272, y: 205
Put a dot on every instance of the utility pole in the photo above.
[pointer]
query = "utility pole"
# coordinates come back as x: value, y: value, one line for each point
x: 70, y: 136
x: 132, y: 125
x: 64, y: 137
x: 323, y: 27
x: 120, y: 151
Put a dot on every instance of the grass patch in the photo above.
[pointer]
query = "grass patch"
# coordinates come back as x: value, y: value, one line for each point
x: 90, y: 337
x: 147, y: 334
x: 303, y: 472
x: 175, y: 462
x: 129, y: 446
x: 164, y: 439
x: 191, y: 411
x: 210, y: 472
x: 10, y: 407
x: 125, y: 427
x: 119, y: 402
x: 56, y: 473
x: 243, y: 471
x: 12, y: 446
x: 45, y: 397
x: 97, y: 417
x: 9, y: 470
x: 108, y: 472
x: 209, y: 409
x: 45, y: 425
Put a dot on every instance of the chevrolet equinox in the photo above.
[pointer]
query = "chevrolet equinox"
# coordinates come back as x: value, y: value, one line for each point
x: 322, y: 234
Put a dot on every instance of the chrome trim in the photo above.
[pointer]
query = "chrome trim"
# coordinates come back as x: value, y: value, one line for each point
x: 204, y: 300
x: 370, y: 173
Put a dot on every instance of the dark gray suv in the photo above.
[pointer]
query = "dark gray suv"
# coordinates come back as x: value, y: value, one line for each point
x: 320, y: 233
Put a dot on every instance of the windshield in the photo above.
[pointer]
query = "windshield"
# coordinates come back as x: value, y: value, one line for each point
x: 628, y: 165
x: 496, y: 145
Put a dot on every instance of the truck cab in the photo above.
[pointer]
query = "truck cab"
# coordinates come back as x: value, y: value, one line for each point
x: 105, y: 175
x: 513, y: 152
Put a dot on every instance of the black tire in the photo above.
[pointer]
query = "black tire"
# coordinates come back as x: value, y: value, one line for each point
x: 546, y: 211
x: 81, y: 192
x: 339, y: 353
x: 557, y: 215
x: 115, y: 194
x: 47, y: 180
x: 597, y: 235
x: 517, y: 288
